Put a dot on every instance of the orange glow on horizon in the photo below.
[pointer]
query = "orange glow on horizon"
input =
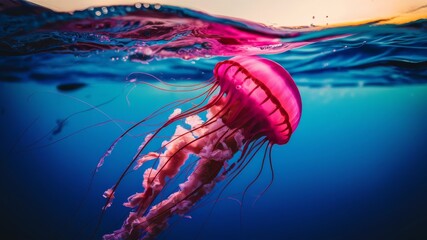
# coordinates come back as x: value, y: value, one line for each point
x: 278, y: 13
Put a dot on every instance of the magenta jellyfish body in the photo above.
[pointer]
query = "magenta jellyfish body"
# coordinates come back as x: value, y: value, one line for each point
x: 252, y: 101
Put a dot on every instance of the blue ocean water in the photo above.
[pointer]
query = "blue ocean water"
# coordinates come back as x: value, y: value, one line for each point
x: 354, y: 169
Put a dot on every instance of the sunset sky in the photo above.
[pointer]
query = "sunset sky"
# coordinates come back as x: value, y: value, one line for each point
x: 273, y: 12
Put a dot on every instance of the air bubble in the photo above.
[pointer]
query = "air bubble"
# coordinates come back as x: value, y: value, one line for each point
x: 104, y: 38
x: 98, y: 13
x: 104, y: 10
x: 157, y: 6
x: 146, y: 5
x: 138, y: 5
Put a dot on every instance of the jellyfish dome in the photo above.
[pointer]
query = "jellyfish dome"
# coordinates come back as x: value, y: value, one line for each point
x: 251, y: 102
x: 264, y: 92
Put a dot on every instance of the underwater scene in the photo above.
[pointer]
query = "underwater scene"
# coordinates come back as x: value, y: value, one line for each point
x: 151, y: 121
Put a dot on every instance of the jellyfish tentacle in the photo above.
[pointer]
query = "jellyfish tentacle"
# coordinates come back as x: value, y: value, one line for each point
x: 60, y: 123
x: 242, y: 200
x: 247, y: 150
x: 272, y: 175
x: 257, y: 176
x: 109, y: 194
x: 242, y: 165
x: 176, y: 156
x: 248, y: 153
x: 169, y: 90
x: 210, y: 121
x: 182, y: 148
x: 159, y: 111
x: 204, y: 83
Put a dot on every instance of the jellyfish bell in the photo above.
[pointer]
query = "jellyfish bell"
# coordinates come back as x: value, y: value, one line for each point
x: 252, y: 101
x: 264, y: 92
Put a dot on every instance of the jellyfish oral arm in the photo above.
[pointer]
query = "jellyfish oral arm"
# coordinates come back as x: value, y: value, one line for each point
x: 198, y: 184
x: 213, y: 144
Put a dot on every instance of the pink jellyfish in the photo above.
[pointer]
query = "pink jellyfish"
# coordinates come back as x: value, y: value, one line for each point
x: 252, y: 101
